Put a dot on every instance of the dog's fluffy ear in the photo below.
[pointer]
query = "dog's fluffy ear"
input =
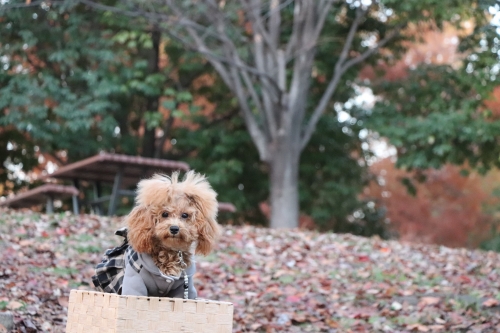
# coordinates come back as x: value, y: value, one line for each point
x: 208, y: 232
x: 204, y: 198
x: 140, y: 229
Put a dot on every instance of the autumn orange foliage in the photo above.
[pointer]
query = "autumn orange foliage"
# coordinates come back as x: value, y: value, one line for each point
x: 434, y: 46
x: 448, y: 209
x: 493, y: 104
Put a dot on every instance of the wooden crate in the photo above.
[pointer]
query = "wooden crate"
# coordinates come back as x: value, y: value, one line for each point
x: 90, y: 312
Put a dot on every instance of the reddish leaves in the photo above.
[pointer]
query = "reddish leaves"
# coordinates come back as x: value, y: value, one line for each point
x: 279, y: 281
x: 449, y: 209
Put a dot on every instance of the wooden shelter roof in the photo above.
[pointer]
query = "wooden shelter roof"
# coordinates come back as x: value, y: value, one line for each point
x: 39, y: 195
x: 104, y: 167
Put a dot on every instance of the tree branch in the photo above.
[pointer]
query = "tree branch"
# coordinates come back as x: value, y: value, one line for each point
x: 337, y: 74
x: 340, y: 68
x: 274, y: 24
x: 304, y: 23
x: 368, y: 53
x: 295, y: 31
x: 323, y: 11
x: 233, y: 79
x: 360, y: 14
x: 253, y: 128
x: 253, y: 12
x: 267, y: 109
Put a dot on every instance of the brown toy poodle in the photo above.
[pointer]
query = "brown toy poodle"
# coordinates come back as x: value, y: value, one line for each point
x: 171, y: 221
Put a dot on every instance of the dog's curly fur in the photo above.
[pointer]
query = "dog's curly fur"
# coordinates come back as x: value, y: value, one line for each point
x: 163, y: 202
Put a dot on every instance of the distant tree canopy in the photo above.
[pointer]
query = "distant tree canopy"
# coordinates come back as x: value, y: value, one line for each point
x: 447, y: 209
x: 79, y: 80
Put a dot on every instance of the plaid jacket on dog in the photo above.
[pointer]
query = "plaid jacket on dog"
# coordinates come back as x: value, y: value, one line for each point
x: 110, y: 271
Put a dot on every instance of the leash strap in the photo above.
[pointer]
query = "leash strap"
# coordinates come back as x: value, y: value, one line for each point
x: 186, y: 282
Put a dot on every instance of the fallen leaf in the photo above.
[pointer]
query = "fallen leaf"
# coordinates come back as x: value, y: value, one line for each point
x: 464, y: 279
x: 299, y: 317
x: 62, y: 282
x: 26, y: 242
x: 436, y: 328
x: 14, y: 305
x: 418, y: 327
x: 425, y: 301
x: 491, y: 302
x: 256, y: 326
x: 293, y: 299
x: 332, y: 323
x: 63, y: 301
x: 363, y: 258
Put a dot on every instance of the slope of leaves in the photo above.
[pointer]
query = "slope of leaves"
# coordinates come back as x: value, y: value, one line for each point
x: 286, y: 281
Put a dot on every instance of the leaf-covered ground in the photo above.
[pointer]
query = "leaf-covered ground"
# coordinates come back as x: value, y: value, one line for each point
x: 279, y: 281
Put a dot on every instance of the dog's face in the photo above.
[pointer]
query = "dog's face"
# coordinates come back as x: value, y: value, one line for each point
x: 174, y: 214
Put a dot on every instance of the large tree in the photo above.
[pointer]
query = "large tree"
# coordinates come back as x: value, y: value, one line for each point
x: 267, y: 53
x: 70, y: 56
x: 288, y: 64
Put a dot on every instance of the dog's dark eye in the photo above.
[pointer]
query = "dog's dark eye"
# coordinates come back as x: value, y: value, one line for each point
x: 164, y: 214
x: 184, y: 215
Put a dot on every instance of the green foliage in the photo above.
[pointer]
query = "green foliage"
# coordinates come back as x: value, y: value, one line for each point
x: 80, y: 81
x: 433, y: 117
x: 153, y: 119
x: 55, y: 83
x: 16, y: 151
x: 492, y: 244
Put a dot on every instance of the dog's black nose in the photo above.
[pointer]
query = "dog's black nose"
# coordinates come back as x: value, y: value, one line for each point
x: 174, y: 229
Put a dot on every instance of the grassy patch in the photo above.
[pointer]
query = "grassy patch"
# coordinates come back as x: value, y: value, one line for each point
x: 286, y: 279
x: 88, y: 249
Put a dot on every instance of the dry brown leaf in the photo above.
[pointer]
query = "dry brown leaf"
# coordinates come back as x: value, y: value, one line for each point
x: 418, y: 327
x: 299, y: 317
x: 491, y: 302
x: 332, y: 323
x: 14, y: 305
x: 63, y: 301
x: 436, y: 328
x: 425, y: 301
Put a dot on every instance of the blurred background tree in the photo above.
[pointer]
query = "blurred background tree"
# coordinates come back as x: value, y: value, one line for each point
x: 75, y: 81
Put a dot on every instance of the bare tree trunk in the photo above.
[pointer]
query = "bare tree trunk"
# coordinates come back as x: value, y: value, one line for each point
x: 284, y: 182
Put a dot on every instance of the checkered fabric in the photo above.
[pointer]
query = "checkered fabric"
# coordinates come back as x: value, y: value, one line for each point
x: 133, y: 260
x: 110, y: 271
